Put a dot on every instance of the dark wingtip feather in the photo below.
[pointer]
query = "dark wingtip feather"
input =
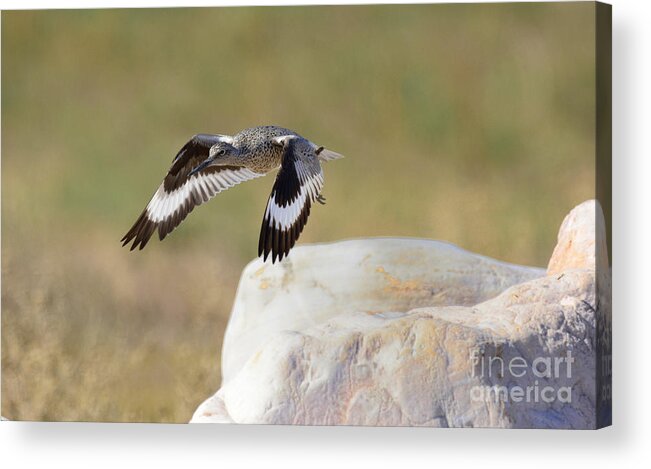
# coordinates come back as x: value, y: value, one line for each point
x: 277, y: 243
x: 274, y: 243
x: 263, y: 233
x: 140, y: 232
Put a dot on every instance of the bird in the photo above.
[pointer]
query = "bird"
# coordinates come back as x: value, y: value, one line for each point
x: 211, y: 163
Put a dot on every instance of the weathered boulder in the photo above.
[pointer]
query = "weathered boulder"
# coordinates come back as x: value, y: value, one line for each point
x: 410, y: 332
x: 577, y: 246
x: 321, y: 281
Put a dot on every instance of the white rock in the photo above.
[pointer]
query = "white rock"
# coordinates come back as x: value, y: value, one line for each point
x: 318, y: 282
x: 391, y: 331
x: 577, y: 246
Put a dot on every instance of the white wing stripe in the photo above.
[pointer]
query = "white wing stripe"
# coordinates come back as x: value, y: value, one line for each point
x: 164, y: 204
x: 218, y: 180
x: 228, y: 178
x: 202, y: 188
x: 212, y: 185
x: 285, y: 217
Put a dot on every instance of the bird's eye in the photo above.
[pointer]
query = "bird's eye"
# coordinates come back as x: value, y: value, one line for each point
x: 221, y: 152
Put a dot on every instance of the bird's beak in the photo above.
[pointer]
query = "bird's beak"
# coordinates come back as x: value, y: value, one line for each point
x: 203, y: 165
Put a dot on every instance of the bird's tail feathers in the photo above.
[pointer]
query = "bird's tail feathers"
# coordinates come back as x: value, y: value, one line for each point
x: 329, y: 155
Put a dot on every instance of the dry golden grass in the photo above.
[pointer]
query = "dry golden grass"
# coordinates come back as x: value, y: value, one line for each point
x: 91, y: 335
x: 472, y: 124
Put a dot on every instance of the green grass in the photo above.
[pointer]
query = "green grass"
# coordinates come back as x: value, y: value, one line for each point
x: 471, y: 124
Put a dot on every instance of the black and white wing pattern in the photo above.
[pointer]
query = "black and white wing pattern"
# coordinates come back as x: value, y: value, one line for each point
x: 179, y: 192
x: 298, y: 183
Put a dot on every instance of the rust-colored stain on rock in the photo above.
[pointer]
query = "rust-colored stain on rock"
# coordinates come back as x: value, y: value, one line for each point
x: 400, y: 287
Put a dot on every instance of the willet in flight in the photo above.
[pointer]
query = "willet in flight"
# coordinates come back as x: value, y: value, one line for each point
x: 210, y: 164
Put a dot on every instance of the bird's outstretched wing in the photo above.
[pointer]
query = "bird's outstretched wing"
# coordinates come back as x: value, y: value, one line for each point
x: 298, y: 183
x: 179, y: 192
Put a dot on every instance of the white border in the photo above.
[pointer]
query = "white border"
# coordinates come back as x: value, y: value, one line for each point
x: 120, y: 445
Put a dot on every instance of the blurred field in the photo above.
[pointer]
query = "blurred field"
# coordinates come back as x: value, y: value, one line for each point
x: 472, y: 124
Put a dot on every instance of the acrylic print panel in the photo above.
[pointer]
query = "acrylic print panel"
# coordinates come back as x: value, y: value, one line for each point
x: 456, y: 276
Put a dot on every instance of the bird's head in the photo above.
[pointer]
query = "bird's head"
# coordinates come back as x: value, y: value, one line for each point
x: 220, y: 154
x: 223, y: 153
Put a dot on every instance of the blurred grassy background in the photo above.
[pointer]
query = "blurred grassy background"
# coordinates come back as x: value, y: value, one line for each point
x: 472, y: 124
